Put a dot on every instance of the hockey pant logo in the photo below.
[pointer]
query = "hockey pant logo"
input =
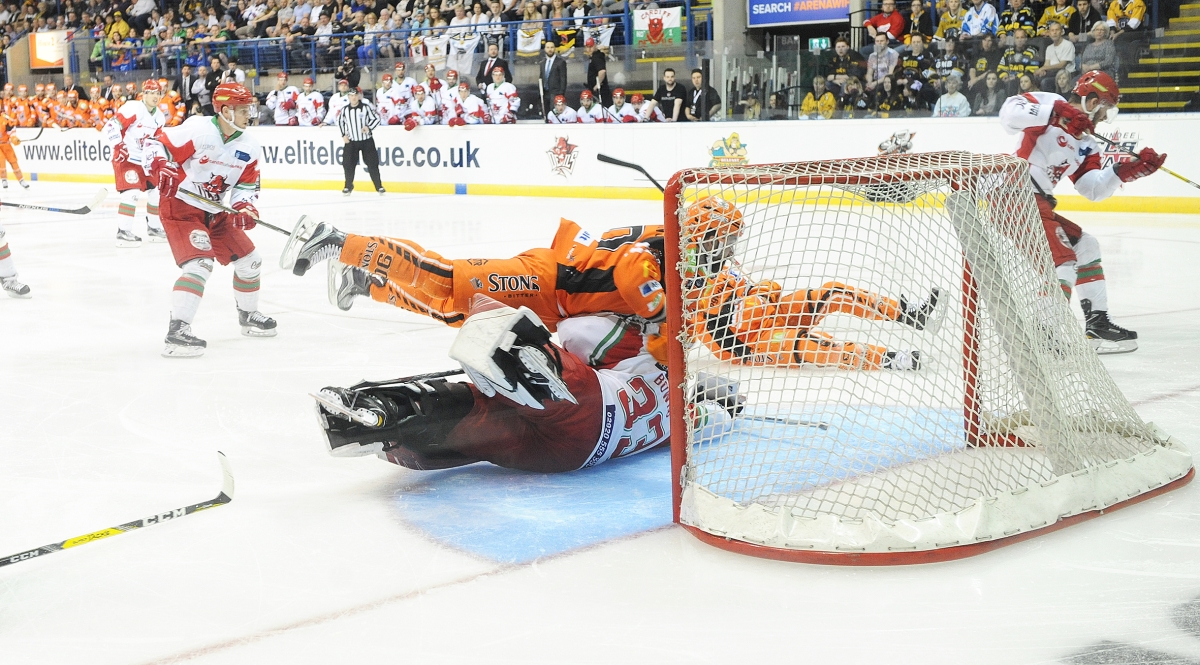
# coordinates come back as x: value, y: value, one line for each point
x: 131, y: 177
x: 200, y: 240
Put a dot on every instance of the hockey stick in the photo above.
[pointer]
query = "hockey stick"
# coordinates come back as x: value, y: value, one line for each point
x: 223, y: 498
x: 616, y: 162
x: 1113, y: 144
x: 100, y: 195
x: 788, y: 421
x: 224, y: 208
x: 39, y: 135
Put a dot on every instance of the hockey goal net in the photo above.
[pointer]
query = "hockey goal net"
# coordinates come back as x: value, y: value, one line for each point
x: 847, y: 447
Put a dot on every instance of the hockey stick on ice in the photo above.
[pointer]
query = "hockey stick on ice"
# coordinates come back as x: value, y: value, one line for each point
x: 1113, y: 144
x: 223, y: 498
x: 224, y: 208
x: 100, y: 195
x: 616, y: 162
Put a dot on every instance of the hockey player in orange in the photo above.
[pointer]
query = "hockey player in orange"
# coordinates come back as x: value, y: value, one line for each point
x: 22, y: 108
x: 755, y: 323
x: 8, y: 139
x: 578, y: 274
x: 171, y: 105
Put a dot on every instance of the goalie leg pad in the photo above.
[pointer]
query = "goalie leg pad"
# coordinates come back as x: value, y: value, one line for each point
x: 508, y: 352
x: 415, y: 415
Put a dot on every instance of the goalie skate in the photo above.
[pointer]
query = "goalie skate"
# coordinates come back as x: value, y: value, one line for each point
x: 352, y: 422
x: 299, y: 236
x: 925, y: 314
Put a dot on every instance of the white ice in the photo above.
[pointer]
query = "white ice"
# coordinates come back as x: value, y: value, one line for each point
x: 314, y: 562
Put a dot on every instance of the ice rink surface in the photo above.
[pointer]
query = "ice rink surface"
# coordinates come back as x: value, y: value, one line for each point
x: 324, y: 560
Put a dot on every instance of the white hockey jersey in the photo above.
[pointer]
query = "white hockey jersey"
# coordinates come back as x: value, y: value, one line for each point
x: 425, y: 112
x: 311, y: 108
x: 336, y: 103
x: 649, y: 113
x: 503, y: 102
x: 472, y: 110
x: 634, y: 387
x: 402, y: 89
x: 588, y: 116
x: 211, y: 165
x: 622, y: 113
x: 133, y: 125
x: 1051, y: 152
x: 285, y: 104
x: 568, y: 116
x: 391, y: 105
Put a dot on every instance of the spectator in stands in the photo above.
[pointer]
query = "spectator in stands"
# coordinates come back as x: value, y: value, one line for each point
x: 1060, y: 55
x: 1079, y: 29
x: 819, y: 104
x: 201, y: 92
x: 751, y: 108
x: 147, y: 48
x: 119, y: 29
x: 887, y: 22
x: 776, y: 107
x: 1020, y: 58
x: 670, y: 97
x: 853, y: 102
x: 916, y: 64
x: 981, y: 19
x: 1100, y: 54
x: 920, y: 22
x: 843, y: 66
x: 987, y: 59
x: 989, y: 100
x: 1018, y: 15
x: 234, y: 73
x: 914, y: 101
x: 1064, y: 84
x: 1125, y: 16
x: 1060, y: 12
x: 882, y: 62
x: 951, y: 21
x: 349, y: 71
x: 952, y: 104
x: 888, y: 98
x: 950, y: 62
x: 705, y: 102
x: 184, y: 84
x: 1027, y: 84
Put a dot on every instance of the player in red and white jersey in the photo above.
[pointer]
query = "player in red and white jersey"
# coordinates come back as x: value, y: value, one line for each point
x: 310, y: 106
x: 589, y: 111
x: 449, y: 91
x: 547, y: 410
x: 339, y: 101
x: 208, y: 158
x: 387, y: 102
x: 646, y: 112
x: 136, y: 121
x: 403, y: 83
x: 284, y: 102
x: 502, y: 99
x: 467, y: 109
x: 1056, y: 141
x: 561, y: 114
x: 621, y: 110
x: 422, y: 110
x: 433, y: 85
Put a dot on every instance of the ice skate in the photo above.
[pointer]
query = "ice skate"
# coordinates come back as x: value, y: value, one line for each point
x: 4, y: 183
x: 353, y: 421
x: 126, y: 239
x: 1107, y: 337
x: 181, y: 343
x: 347, y: 283
x: 22, y: 183
x: 14, y: 287
x: 256, y: 324
x: 922, y: 314
x: 155, y: 234
x: 326, y: 243
x: 902, y: 360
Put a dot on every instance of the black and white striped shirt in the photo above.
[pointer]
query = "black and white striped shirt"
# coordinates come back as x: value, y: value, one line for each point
x: 356, y: 122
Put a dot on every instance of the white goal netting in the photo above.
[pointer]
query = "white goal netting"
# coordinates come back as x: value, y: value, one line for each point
x: 868, y: 421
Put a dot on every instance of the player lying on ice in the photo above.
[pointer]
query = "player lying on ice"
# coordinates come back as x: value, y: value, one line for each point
x: 1056, y: 141
x: 620, y: 273
x: 530, y: 404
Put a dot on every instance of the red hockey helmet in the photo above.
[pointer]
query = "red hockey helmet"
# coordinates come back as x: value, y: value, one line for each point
x: 151, y: 85
x: 231, y: 94
x: 386, y: 77
x: 418, y: 88
x: 637, y: 98
x: 1100, y: 84
x: 586, y: 94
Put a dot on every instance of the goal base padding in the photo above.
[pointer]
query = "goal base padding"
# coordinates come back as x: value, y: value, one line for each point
x: 926, y: 556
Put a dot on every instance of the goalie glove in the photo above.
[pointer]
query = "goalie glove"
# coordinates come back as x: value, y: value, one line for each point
x: 167, y: 176
x: 411, y: 124
x: 508, y: 352
x: 1070, y: 119
x: 246, y: 217
x: 1147, y: 162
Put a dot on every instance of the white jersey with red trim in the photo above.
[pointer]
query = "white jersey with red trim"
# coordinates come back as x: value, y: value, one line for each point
x: 503, y: 102
x: 390, y: 104
x: 133, y: 125
x: 285, y: 104
x: 649, y: 113
x: 336, y: 103
x: 568, y: 116
x: 472, y: 110
x: 588, y: 116
x: 447, y: 95
x: 425, y: 112
x: 401, y: 90
x: 633, y: 386
x: 211, y: 164
x: 623, y: 112
x: 311, y: 108
x: 1051, y: 152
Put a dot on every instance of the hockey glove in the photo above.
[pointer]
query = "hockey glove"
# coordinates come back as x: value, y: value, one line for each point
x: 628, y: 118
x: 246, y: 216
x: 435, y: 85
x: 1147, y: 162
x: 394, y: 120
x: 411, y: 124
x: 288, y: 105
x: 1072, y: 120
x: 120, y: 152
x: 167, y: 176
x: 457, y: 122
x: 293, y: 121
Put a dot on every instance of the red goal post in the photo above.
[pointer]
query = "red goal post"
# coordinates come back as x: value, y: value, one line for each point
x: 1043, y: 438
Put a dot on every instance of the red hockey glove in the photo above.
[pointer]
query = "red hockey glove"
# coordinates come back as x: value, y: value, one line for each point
x: 1147, y: 162
x: 394, y: 120
x: 167, y: 176
x: 120, y: 152
x: 293, y: 121
x: 435, y: 85
x: 628, y: 118
x: 509, y: 119
x: 288, y: 105
x: 1072, y: 120
x: 411, y: 124
x: 246, y: 216
x: 316, y: 122
x: 457, y: 122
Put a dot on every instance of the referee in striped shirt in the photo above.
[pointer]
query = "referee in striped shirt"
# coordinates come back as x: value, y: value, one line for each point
x: 356, y: 122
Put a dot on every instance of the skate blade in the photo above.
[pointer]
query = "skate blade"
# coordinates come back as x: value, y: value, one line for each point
x: 300, y: 235
x: 129, y: 244
x: 340, y: 409
x: 20, y: 296
x: 156, y: 239
x: 1105, y: 347
x: 249, y: 331
x: 338, y: 274
x: 938, y: 316
x: 174, y: 351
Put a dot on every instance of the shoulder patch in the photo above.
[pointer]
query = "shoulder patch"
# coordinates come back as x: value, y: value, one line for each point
x: 243, y: 156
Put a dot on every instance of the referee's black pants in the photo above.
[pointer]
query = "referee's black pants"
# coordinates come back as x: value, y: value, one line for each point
x: 370, y: 156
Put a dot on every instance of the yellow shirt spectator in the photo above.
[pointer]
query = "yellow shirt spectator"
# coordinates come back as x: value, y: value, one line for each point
x: 1059, y: 14
x: 1126, y: 15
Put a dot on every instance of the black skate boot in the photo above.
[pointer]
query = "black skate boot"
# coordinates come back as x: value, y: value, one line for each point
x: 347, y: 283
x: 355, y: 423
x: 326, y: 243
x: 902, y: 360
x: 126, y: 239
x: 256, y: 324
x: 372, y: 418
x: 1106, y: 337
x: 922, y: 314
x: 14, y: 287
x: 181, y: 343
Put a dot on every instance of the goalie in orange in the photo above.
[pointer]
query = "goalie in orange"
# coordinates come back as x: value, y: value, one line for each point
x: 620, y: 272
x: 755, y: 323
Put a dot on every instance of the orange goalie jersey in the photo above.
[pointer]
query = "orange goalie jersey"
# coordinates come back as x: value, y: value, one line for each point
x: 578, y: 274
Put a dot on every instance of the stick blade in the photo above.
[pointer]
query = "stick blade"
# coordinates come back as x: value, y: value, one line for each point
x: 96, y: 201
x: 227, y: 477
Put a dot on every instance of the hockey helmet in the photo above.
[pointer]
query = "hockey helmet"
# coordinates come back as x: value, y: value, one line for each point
x: 163, y: 84
x: 282, y: 75
x: 308, y: 80
x: 50, y: 88
x: 1104, y: 88
x: 22, y: 89
x: 618, y: 92
x: 72, y: 94
x: 713, y: 217
x: 39, y: 88
x: 386, y: 77
x: 231, y: 94
x: 131, y: 87
x: 451, y: 74
x: 150, y: 85
x: 8, y: 87
x: 559, y: 99
x: 418, y: 88
x: 94, y: 91
x: 637, y: 98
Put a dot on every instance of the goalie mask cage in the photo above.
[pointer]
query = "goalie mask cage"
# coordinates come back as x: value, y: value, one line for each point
x: 1010, y: 428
